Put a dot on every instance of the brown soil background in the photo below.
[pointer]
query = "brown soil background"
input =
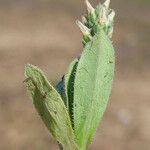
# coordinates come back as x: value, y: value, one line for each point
x: 43, y: 32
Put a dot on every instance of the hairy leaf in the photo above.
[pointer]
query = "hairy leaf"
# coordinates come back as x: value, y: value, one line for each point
x: 69, y: 86
x: 50, y: 107
x: 92, y: 87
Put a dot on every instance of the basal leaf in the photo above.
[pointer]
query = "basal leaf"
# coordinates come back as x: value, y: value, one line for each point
x: 92, y: 87
x: 50, y: 107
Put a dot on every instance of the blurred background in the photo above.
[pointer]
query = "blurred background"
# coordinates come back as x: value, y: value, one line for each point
x: 44, y: 33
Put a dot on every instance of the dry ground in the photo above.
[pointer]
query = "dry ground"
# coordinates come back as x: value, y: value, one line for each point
x: 43, y: 32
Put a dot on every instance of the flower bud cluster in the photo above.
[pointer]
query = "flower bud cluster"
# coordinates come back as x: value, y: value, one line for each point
x: 100, y: 17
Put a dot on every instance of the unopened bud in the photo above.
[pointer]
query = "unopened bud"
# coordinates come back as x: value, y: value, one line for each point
x: 107, y: 3
x: 102, y: 16
x: 84, y: 19
x: 83, y: 28
x: 111, y: 32
x: 90, y: 9
x: 111, y: 16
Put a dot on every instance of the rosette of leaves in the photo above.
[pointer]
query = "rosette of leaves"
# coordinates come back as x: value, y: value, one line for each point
x: 72, y: 110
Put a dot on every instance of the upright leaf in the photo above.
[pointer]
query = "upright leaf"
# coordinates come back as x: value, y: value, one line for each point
x: 65, y: 87
x: 92, y: 86
x: 50, y: 107
x: 69, y: 86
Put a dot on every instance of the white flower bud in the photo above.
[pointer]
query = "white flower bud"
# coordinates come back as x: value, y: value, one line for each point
x: 90, y: 9
x: 103, y: 16
x: 83, y: 28
x: 107, y: 3
x: 111, y: 16
x: 84, y: 19
x: 111, y: 32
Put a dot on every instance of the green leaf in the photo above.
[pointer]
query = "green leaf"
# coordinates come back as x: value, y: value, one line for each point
x: 50, y: 107
x: 69, y: 86
x: 65, y: 87
x: 92, y: 87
